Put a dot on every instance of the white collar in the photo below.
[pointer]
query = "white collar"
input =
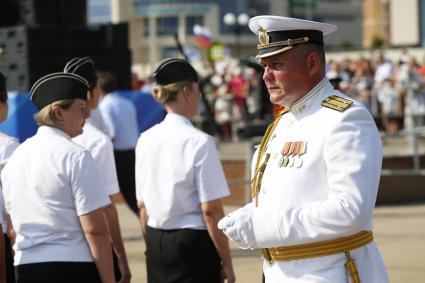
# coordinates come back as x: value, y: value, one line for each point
x: 301, y: 104
x: 178, y: 118
x: 53, y: 131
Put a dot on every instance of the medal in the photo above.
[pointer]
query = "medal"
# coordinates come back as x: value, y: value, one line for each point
x: 290, y: 161
x: 298, y: 161
x: 290, y: 154
x: 284, y: 159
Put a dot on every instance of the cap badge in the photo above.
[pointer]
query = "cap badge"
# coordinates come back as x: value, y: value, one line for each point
x: 263, y: 37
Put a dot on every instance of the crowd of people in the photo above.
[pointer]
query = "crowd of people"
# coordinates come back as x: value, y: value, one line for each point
x: 394, y: 92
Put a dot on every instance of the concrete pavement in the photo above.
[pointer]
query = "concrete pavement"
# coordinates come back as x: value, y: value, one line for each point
x: 399, y: 232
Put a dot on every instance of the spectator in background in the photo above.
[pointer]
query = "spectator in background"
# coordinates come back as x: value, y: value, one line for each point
x: 384, y: 70
x: 120, y: 118
x: 389, y: 98
x: 238, y: 89
x: 412, y: 86
x: 223, y: 111
x: 7, y: 147
x: 100, y: 147
x: 362, y: 82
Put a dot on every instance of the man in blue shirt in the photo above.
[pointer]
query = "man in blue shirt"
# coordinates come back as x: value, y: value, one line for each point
x: 120, y: 117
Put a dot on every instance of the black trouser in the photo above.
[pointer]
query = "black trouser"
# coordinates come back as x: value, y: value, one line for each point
x: 125, y: 161
x: 183, y: 256
x: 55, y: 272
x: 8, y: 255
x: 117, y: 270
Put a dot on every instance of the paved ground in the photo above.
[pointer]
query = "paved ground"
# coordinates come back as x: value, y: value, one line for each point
x: 399, y: 232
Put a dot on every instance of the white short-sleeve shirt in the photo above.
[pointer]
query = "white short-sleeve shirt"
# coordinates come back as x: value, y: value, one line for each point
x: 177, y: 169
x: 100, y: 147
x: 48, y: 183
x: 7, y: 147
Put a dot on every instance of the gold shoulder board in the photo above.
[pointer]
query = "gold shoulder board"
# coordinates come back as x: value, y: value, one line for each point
x: 337, y: 103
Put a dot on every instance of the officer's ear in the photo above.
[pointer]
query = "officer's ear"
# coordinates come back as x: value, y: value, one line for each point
x: 313, y: 62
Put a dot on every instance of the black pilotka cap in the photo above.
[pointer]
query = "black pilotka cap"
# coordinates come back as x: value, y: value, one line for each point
x: 83, y: 67
x: 174, y: 70
x: 278, y: 34
x: 58, y: 86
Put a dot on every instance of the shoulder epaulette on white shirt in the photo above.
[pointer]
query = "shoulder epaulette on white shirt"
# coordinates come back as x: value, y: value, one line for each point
x: 337, y: 103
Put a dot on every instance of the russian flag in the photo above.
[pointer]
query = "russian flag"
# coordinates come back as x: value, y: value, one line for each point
x: 202, y: 35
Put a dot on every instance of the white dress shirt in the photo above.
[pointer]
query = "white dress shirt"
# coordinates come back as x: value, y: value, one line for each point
x: 177, y: 169
x: 331, y: 195
x: 48, y: 183
x: 100, y: 147
x: 7, y: 147
x: 120, y: 117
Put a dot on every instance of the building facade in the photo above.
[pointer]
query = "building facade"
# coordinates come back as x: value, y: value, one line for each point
x: 155, y: 25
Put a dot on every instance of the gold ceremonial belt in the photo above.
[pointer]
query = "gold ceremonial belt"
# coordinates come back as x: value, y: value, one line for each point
x: 323, y: 248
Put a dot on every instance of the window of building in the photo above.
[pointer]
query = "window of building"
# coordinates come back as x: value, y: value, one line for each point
x: 191, y: 21
x: 167, y: 25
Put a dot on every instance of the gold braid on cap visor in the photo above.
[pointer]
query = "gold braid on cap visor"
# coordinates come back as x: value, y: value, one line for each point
x: 288, y: 42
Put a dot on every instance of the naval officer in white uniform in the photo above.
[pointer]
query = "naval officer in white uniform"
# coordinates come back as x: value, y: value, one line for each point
x: 54, y: 194
x: 316, y: 177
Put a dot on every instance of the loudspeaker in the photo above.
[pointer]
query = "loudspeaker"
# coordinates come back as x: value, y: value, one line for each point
x: 9, y: 13
x: 28, y: 53
x: 53, y: 12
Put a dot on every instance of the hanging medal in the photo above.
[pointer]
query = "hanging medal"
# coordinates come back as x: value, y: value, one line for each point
x: 284, y: 159
x: 298, y: 162
x: 290, y: 162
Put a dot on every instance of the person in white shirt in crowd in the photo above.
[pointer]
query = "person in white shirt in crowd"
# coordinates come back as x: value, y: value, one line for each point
x: 317, y: 170
x: 100, y: 147
x: 384, y: 70
x: 411, y: 84
x: 54, y: 195
x: 7, y: 147
x: 389, y: 99
x: 120, y: 117
x: 180, y: 184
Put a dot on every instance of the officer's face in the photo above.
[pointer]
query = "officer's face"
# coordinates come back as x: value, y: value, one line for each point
x: 73, y: 118
x: 285, y: 76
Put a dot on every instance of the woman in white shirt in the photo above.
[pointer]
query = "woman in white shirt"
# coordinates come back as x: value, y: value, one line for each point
x: 101, y: 149
x: 7, y: 146
x: 179, y: 186
x: 53, y: 192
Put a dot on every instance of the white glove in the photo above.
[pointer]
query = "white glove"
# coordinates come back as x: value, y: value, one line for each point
x: 238, y: 227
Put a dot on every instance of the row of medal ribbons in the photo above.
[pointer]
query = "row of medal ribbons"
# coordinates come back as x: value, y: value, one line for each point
x: 291, y: 154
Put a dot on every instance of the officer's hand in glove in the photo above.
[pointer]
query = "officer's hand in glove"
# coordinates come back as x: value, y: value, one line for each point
x: 239, y: 228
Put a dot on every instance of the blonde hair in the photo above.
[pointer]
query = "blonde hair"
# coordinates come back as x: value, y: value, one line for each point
x: 168, y: 93
x: 46, y: 116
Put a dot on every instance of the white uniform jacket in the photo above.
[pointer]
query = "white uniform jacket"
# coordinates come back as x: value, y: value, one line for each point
x: 7, y: 147
x: 331, y: 195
